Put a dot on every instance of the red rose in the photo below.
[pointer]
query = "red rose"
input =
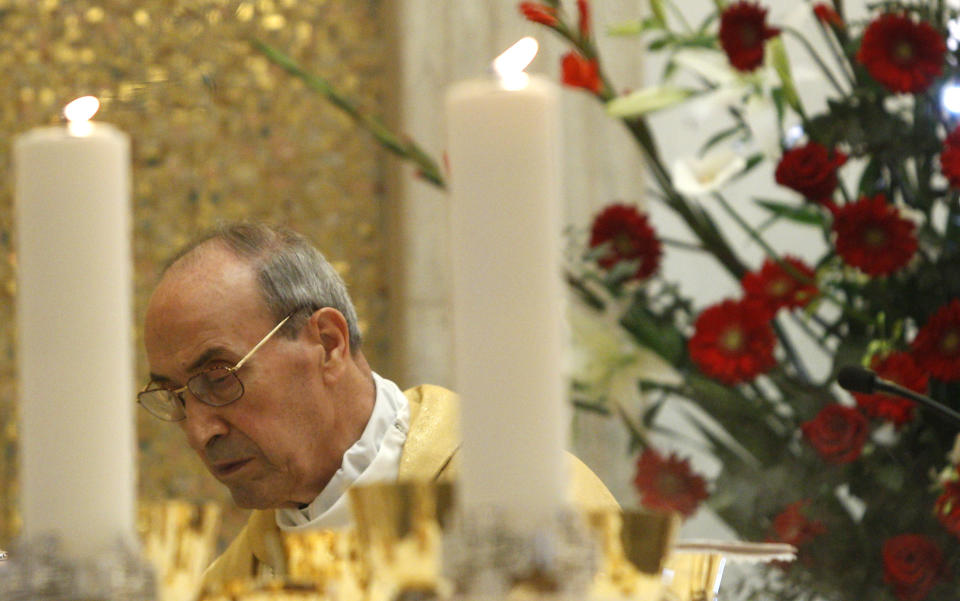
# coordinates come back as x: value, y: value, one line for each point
x: 733, y: 341
x: 937, y: 345
x: 539, y: 13
x: 811, y: 170
x: 743, y: 30
x: 837, y: 433
x: 950, y: 158
x: 947, y: 508
x: 792, y: 526
x: 872, y: 236
x: 669, y: 483
x: 902, y: 55
x: 900, y: 368
x: 912, y: 564
x: 581, y: 72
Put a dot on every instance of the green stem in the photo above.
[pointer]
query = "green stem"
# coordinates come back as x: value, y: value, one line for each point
x: 636, y: 431
x: 401, y: 147
x: 803, y: 325
x: 681, y: 244
x: 836, y: 48
x: 708, y: 233
x: 699, y: 222
x: 792, y: 355
x: 680, y: 17
x: 851, y: 311
x: 816, y: 57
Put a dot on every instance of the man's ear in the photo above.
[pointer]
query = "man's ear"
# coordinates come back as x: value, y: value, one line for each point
x: 328, y: 327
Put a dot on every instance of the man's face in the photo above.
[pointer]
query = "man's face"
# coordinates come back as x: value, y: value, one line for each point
x: 274, y: 446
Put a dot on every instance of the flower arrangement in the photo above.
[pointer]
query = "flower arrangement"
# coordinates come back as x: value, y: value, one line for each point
x: 865, y: 485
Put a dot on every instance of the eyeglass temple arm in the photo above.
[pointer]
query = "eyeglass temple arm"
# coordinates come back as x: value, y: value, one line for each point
x: 261, y: 343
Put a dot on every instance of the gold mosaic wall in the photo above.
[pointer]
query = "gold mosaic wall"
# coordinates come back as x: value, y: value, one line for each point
x: 217, y: 133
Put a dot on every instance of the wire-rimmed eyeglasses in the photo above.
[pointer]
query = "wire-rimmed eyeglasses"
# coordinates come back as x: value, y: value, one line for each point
x: 216, y: 387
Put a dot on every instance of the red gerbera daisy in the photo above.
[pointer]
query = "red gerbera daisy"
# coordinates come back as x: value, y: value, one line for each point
x: 950, y: 158
x: 792, y: 526
x: 936, y: 348
x: 900, y: 368
x: 776, y: 287
x: 629, y: 236
x: 669, y: 483
x: 539, y: 13
x: 581, y: 72
x: 904, y: 56
x: 733, y: 341
x: 947, y: 508
x: 873, y: 237
x: 743, y: 30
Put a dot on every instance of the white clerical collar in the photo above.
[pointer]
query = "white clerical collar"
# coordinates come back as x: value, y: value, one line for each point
x: 375, y: 457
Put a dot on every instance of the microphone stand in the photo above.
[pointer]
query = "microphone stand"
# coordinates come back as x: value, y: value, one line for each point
x: 860, y: 379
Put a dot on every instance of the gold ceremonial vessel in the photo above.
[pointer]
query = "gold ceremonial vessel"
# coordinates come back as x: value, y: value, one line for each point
x: 395, y: 552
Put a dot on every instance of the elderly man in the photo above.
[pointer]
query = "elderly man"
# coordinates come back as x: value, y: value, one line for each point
x: 254, y: 351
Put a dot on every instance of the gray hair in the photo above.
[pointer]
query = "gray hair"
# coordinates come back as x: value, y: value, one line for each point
x: 293, y: 276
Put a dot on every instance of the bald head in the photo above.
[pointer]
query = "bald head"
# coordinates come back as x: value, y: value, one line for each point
x: 291, y: 273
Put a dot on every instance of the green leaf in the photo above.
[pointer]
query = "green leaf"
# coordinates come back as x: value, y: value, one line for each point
x: 890, y: 476
x: 657, y: 334
x: 620, y: 273
x: 781, y: 64
x: 590, y: 406
x: 806, y: 215
x: 660, y: 43
x: 656, y: 7
x: 650, y: 415
x: 752, y: 161
x: 698, y: 41
x: 721, y: 136
x: 872, y: 180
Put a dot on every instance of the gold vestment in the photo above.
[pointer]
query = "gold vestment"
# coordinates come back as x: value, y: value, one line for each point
x: 429, y: 453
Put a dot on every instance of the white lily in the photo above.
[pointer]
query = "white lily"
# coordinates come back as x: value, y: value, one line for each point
x: 728, y: 87
x: 700, y: 176
x: 607, y: 361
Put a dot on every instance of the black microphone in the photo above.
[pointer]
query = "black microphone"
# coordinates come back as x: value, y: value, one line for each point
x: 860, y: 379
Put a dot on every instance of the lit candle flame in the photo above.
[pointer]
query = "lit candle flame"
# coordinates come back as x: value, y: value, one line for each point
x: 509, y: 66
x: 79, y: 112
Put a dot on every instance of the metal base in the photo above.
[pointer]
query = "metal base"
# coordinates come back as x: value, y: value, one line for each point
x: 490, y: 552
x: 38, y: 571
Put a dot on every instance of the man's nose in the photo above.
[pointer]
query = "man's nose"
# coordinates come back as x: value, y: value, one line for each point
x: 203, y: 424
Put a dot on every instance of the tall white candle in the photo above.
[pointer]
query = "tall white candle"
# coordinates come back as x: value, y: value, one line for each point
x: 504, y: 152
x: 74, y: 315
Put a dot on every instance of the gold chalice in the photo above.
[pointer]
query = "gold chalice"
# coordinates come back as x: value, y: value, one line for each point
x: 398, y: 530
x: 633, y: 548
x: 179, y: 540
x: 694, y: 576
